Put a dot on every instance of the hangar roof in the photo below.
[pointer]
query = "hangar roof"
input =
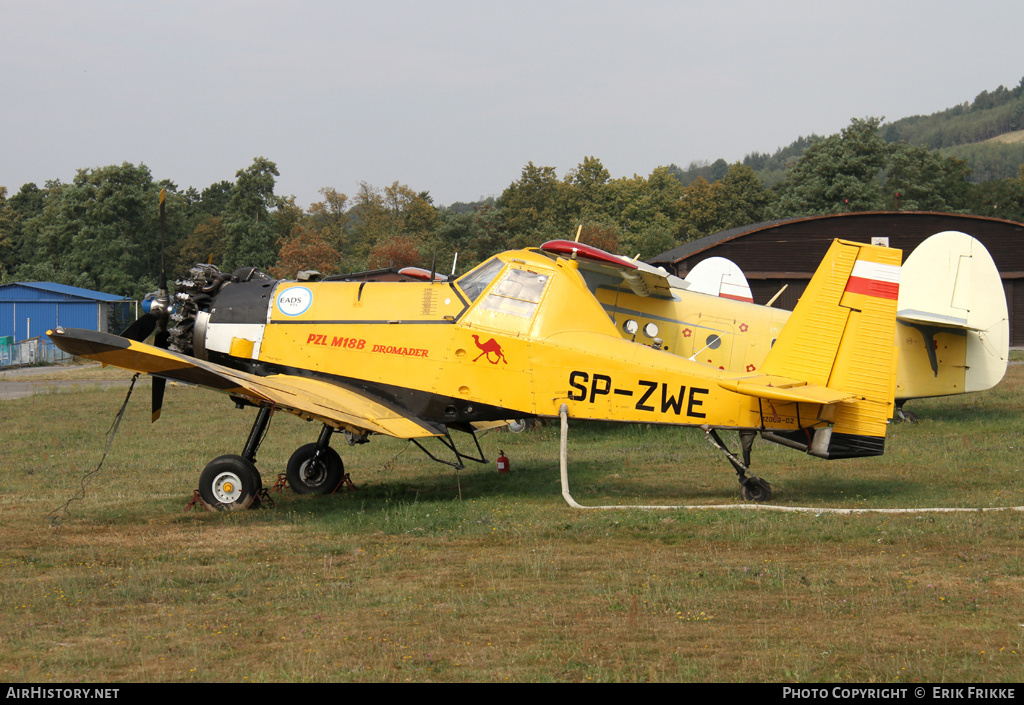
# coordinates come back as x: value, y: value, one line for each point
x: 798, y: 244
x: 62, y: 289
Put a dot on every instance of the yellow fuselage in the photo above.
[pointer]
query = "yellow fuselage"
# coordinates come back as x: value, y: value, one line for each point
x: 533, y: 339
x: 735, y: 335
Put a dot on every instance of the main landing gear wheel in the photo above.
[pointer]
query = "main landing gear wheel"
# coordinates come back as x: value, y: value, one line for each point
x: 755, y: 490
x: 312, y: 472
x: 230, y: 482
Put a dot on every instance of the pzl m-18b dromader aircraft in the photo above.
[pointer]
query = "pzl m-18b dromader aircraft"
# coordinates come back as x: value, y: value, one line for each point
x: 518, y: 336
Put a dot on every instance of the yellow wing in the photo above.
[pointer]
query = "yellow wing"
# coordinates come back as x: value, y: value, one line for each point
x: 336, y: 404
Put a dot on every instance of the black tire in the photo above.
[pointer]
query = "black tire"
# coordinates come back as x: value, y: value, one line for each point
x: 229, y: 482
x: 756, y: 490
x: 311, y: 474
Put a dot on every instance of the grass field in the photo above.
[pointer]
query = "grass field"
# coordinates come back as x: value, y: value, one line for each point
x: 402, y: 580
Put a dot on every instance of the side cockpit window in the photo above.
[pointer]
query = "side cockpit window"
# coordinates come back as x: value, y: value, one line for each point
x: 517, y: 294
x: 474, y: 283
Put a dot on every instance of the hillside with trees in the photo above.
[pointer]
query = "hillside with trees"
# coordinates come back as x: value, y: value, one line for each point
x: 100, y: 230
x: 970, y: 131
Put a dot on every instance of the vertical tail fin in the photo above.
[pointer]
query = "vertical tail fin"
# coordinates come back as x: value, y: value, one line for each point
x: 841, y: 336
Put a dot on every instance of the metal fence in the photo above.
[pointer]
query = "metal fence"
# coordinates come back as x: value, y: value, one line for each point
x: 35, y: 351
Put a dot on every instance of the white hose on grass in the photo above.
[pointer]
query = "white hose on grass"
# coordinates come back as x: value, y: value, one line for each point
x: 563, y: 412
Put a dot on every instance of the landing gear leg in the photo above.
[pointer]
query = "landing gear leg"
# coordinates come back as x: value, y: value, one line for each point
x: 751, y: 488
x: 232, y: 481
x: 256, y: 434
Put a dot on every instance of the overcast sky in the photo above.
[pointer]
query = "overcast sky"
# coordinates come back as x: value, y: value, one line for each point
x: 455, y: 97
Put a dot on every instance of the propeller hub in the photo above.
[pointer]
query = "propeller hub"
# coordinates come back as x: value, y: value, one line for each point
x: 158, y: 304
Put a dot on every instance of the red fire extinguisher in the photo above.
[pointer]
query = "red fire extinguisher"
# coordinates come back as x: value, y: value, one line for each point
x: 503, y: 465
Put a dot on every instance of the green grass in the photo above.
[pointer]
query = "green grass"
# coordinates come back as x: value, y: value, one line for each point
x: 402, y: 580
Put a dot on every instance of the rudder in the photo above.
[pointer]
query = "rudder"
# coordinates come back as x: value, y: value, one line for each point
x: 841, y: 336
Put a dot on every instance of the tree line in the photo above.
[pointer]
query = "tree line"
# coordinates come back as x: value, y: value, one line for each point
x: 965, y: 131
x: 990, y: 114
x: 101, y: 230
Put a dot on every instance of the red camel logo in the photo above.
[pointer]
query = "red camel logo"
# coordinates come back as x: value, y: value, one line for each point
x: 491, y: 346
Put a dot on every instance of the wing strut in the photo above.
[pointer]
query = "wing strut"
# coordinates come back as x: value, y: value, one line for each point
x: 450, y: 445
x: 459, y: 455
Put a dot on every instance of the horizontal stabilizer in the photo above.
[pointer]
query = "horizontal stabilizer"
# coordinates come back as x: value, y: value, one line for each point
x: 928, y: 318
x: 786, y: 390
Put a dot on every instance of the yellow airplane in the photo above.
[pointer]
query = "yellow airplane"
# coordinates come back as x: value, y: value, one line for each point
x: 952, y: 329
x: 518, y: 336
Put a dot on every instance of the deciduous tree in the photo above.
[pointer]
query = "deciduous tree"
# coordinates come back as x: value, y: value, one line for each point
x: 397, y: 251
x: 701, y: 211
x: 741, y: 198
x: 205, y: 243
x: 251, y: 237
x: 643, y: 204
x: 588, y: 195
x: 7, y: 241
x: 836, y: 174
x: 926, y: 180
x: 535, y: 203
x: 98, y: 232
x: 395, y: 213
x: 305, y: 249
x: 330, y: 218
x: 472, y: 235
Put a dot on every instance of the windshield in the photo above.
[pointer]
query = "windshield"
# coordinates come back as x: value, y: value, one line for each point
x: 474, y: 283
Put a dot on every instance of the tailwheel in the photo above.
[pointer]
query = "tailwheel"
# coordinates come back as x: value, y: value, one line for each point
x: 755, y: 489
x: 752, y: 488
x: 901, y: 415
x: 230, y: 482
x: 314, y: 469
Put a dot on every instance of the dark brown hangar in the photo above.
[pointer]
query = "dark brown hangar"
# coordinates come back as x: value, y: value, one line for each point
x: 786, y: 252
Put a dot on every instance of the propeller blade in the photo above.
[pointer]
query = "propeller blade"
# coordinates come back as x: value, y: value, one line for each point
x: 159, y: 384
x: 161, y: 340
x: 163, y: 238
x: 157, y: 308
x: 141, y: 329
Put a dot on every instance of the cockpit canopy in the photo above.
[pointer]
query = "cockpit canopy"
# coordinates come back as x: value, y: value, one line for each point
x: 516, y: 293
x: 474, y: 282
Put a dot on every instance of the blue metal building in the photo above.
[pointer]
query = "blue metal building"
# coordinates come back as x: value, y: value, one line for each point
x: 29, y: 309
